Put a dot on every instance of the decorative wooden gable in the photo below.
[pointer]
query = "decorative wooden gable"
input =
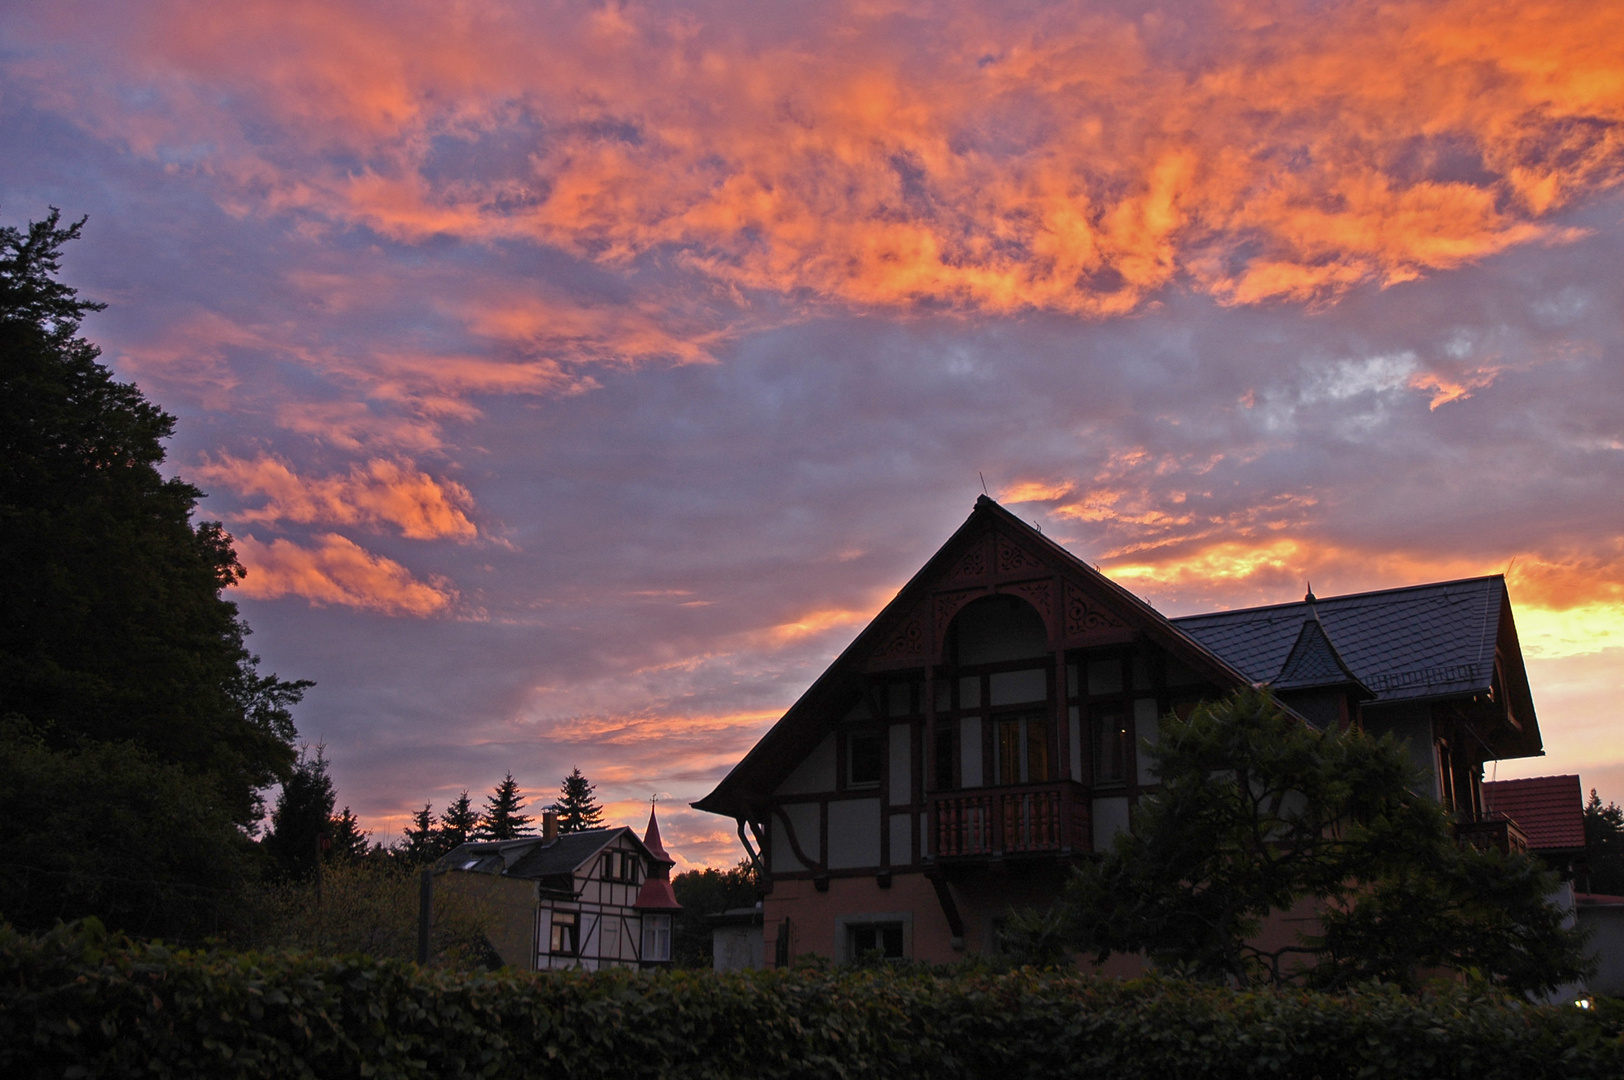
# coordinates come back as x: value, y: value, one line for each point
x: 995, y: 560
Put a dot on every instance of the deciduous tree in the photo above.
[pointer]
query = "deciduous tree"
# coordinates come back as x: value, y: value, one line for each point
x: 1258, y: 813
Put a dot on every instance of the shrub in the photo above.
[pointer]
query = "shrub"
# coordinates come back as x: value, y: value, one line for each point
x: 76, y: 1003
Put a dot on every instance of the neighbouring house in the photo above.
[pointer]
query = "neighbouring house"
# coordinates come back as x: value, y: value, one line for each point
x: 736, y: 938
x: 982, y: 734
x: 595, y: 899
x: 1547, y: 814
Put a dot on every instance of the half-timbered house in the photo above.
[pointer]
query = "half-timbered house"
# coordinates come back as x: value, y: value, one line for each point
x: 595, y: 899
x: 984, y: 732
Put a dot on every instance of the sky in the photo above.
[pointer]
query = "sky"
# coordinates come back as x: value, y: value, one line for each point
x: 577, y: 379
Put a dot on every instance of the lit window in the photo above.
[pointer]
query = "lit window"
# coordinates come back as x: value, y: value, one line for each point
x: 656, y: 937
x: 566, y: 935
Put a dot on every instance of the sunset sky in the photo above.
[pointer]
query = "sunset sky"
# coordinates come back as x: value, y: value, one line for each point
x: 578, y: 379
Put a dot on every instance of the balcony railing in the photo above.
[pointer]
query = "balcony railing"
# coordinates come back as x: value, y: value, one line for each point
x: 1492, y: 831
x: 998, y: 821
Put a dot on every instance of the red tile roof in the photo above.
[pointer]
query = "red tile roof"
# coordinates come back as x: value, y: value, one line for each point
x: 1548, y: 809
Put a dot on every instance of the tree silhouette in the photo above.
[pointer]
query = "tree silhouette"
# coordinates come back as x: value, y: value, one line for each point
x: 349, y: 840
x: 577, y: 808
x: 458, y: 823
x: 303, y: 813
x: 422, y: 839
x: 502, y: 820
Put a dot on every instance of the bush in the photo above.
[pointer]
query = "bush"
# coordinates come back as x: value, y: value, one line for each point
x: 76, y: 1003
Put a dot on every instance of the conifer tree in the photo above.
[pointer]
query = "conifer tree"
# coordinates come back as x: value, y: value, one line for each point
x: 348, y: 839
x: 502, y: 820
x: 577, y: 806
x: 303, y: 813
x: 422, y: 842
x: 458, y: 823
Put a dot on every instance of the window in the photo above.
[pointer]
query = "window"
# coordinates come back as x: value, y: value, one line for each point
x: 656, y: 937
x: 609, y: 937
x: 620, y: 866
x: 944, y: 757
x: 863, y: 760
x: 566, y: 934
x: 1023, y: 750
x: 882, y: 937
x: 1110, y: 745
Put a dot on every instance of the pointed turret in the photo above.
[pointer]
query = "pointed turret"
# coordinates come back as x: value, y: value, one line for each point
x: 656, y: 894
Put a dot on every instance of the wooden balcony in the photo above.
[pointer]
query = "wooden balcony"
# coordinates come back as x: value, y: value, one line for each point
x: 1030, y: 819
x: 1492, y: 831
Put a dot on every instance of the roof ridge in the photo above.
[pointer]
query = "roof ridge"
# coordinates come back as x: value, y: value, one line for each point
x: 1333, y: 599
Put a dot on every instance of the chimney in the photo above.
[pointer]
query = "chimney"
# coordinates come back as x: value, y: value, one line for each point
x: 549, y: 826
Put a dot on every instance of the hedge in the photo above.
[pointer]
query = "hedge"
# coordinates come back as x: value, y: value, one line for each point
x: 78, y: 1003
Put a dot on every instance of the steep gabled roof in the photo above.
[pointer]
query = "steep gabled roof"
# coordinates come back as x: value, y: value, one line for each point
x: 1548, y: 809
x: 1416, y: 642
x: 533, y: 857
x: 806, y: 721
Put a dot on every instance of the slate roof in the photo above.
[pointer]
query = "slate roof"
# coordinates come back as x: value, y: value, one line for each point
x: 531, y: 856
x: 1313, y: 662
x: 1548, y: 809
x: 1422, y: 641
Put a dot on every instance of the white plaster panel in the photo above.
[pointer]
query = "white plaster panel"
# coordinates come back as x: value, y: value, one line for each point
x: 804, y: 816
x: 854, y: 833
x: 815, y: 774
x: 1018, y: 687
x: 1110, y: 818
x: 1146, y: 725
x: 970, y: 751
x: 901, y: 839
x: 901, y: 764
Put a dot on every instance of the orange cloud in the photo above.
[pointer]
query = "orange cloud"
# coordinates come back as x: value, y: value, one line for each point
x: 379, y: 493
x: 985, y: 159
x: 337, y: 571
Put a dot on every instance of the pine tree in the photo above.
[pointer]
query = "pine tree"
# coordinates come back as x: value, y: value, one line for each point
x: 303, y: 813
x: 422, y: 842
x: 349, y: 840
x: 577, y: 808
x: 1604, y: 845
x: 458, y: 823
x: 502, y: 820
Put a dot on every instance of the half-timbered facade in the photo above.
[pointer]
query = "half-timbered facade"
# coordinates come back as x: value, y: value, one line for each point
x: 595, y: 899
x: 984, y: 732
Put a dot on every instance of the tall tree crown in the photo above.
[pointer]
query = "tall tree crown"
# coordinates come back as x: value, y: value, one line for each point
x: 577, y: 806
x: 502, y: 820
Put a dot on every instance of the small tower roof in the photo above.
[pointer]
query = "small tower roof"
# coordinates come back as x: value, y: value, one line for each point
x: 651, y: 840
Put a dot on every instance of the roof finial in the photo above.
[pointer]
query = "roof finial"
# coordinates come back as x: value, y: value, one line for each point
x: 983, y: 483
x: 1310, y: 598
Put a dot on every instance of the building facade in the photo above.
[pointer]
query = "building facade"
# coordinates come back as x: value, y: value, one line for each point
x: 984, y: 732
x: 592, y: 900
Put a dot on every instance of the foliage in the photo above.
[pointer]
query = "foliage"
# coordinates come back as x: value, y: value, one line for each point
x: 106, y: 829
x: 302, y: 817
x: 577, y: 805
x: 1604, y: 845
x: 112, y: 626
x: 78, y: 1003
x: 1258, y: 813
x: 420, y: 841
x: 348, y: 840
x: 458, y: 823
x: 501, y: 819
x: 367, y: 906
x: 708, y: 892
x: 1037, y: 937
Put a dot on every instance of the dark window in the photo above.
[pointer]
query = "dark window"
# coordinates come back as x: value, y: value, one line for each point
x: 863, y: 759
x: 566, y: 935
x: 882, y: 937
x: 944, y: 758
x: 1023, y: 750
x: 1110, y: 746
